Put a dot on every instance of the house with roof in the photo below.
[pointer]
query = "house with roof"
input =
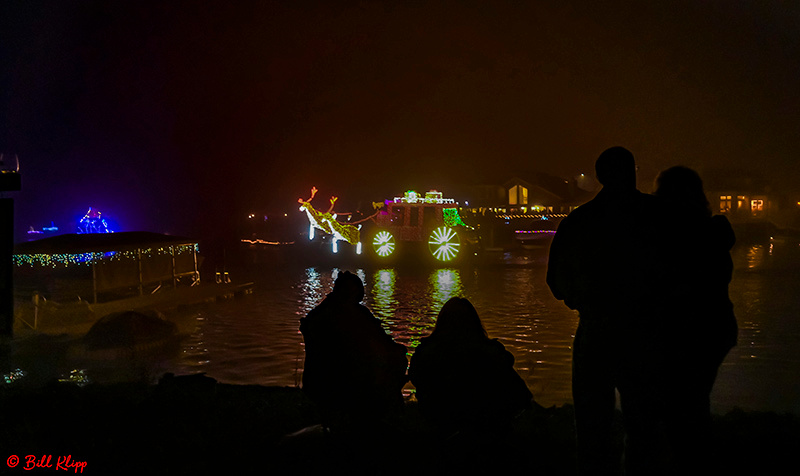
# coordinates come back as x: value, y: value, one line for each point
x: 527, y: 194
x: 522, y: 208
x: 742, y: 196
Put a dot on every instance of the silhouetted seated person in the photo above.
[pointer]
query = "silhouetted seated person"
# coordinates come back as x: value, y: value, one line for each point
x: 464, y: 380
x: 354, y: 371
x: 701, y: 322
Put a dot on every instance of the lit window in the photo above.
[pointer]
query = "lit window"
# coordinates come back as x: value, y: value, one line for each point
x: 518, y: 195
x: 725, y: 203
x: 757, y: 205
x: 741, y: 201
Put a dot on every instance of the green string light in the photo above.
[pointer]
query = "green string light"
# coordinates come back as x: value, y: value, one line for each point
x: 55, y: 260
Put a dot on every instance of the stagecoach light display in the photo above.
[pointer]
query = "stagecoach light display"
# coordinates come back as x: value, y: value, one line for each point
x: 444, y: 243
x: 431, y: 196
x: 451, y: 218
x: 412, y: 217
x: 383, y: 244
x: 326, y: 221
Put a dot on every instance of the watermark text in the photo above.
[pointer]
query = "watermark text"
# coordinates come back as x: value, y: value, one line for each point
x: 57, y: 463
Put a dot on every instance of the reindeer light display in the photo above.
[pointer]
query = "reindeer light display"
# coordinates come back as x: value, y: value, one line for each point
x: 326, y: 222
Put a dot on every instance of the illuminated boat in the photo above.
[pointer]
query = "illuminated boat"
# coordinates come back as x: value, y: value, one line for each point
x: 401, y: 226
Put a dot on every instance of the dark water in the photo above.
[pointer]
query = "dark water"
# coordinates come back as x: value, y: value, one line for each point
x: 255, y: 339
x: 761, y: 372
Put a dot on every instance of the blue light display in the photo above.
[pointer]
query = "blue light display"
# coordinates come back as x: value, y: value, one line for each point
x: 93, y: 222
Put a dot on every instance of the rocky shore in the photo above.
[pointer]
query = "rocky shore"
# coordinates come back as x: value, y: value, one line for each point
x: 194, y: 425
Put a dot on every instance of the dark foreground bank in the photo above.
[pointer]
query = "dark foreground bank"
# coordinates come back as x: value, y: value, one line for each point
x: 194, y: 425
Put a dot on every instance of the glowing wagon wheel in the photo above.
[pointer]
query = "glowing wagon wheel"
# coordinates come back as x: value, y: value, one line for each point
x: 383, y: 244
x: 444, y: 244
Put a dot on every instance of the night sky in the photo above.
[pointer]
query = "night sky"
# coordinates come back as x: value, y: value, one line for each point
x: 182, y: 117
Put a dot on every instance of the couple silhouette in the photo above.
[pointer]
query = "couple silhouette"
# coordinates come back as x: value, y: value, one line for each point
x: 648, y: 275
x: 355, y: 371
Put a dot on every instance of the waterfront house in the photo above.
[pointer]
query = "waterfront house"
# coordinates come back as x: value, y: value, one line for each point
x: 741, y: 196
x: 527, y: 194
x: 522, y: 209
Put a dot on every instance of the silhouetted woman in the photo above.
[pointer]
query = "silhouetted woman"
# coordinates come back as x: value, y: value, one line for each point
x: 703, y: 326
x: 464, y: 379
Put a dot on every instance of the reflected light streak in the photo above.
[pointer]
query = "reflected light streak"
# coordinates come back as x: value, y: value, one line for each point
x: 361, y: 275
x: 383, y: 291
x: 311, y: 291
x: 445, y: 283
x: 755, y: 256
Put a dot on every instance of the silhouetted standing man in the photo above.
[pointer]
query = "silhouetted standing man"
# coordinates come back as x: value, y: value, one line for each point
x: 598, y: 266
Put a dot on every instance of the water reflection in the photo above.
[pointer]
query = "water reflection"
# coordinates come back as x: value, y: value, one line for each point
x: 256, y: 340
x: 410, y: 314
x: 755, y: 256
x: 310, y: 288
x: 383, y: 288
x: 445, y: 283
x: 195, y: 352
x: 775, y: 254
x: 514, y: 304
